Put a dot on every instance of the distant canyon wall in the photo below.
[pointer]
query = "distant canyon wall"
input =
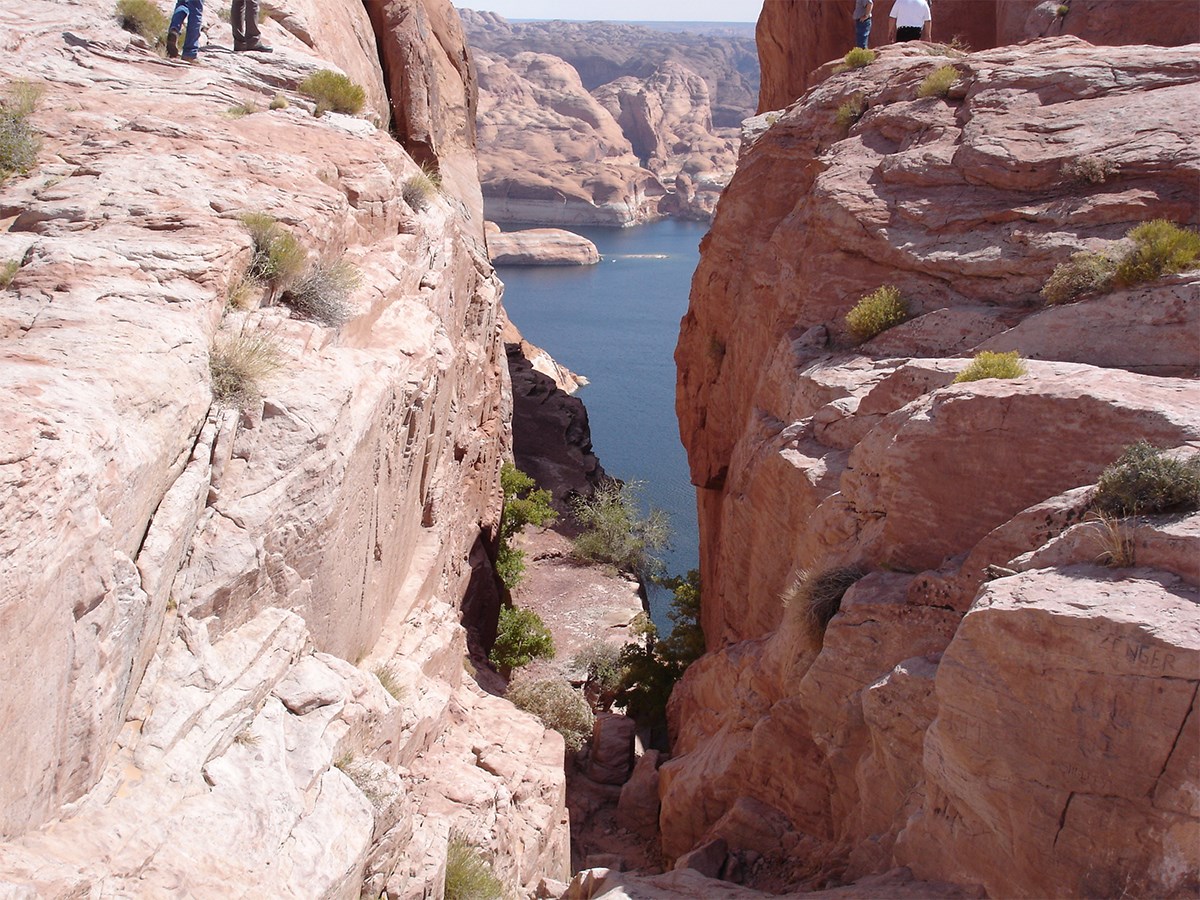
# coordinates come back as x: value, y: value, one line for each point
x: 605, y: 124
x: 795, y: 37
x: 230, y: 646
x: 991, y: 705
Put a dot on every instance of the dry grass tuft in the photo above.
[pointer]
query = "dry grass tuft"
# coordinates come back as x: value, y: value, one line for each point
x: 323, y: 293
x: 816, y: 596
x: 239, y: 364
x: 938, y: 82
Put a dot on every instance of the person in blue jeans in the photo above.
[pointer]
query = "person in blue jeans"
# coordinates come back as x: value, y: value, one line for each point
x: 862, y: 22
x: 193, y: 11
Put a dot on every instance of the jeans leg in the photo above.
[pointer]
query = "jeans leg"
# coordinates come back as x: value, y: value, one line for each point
x: 195, y: 15
x: 179, y: 15
x: 862, y: 33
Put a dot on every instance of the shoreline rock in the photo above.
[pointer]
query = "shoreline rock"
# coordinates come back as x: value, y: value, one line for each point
x: 541, y: 247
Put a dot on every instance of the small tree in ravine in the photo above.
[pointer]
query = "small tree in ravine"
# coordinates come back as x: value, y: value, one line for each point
x: 524, y: 504
x: 650, y: 670
x: 521, y: 637
x: 615, y: 531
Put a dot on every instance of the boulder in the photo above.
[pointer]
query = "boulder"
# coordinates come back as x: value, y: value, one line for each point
x: 610, y: 759
x: 637, y: 810
x: 542, y: 247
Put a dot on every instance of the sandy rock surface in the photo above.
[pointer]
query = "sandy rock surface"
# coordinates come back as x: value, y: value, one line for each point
x: 892, y: 736
x: 541, y: 247
x: 198, y: 602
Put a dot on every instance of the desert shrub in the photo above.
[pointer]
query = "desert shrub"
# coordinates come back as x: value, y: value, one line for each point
x: 279, y: 101
x: 858, y: 57
x: 850, y: 112
x: 240, y: 110
x: 558, y: 705
x: 875, y: 313
x: 615, y: 531
x: 524, y: 504
x: 322, y: 294
x: 988, y: 364
x: 816, y: 596
x: 19, y: 143
x: 240, y: 292
x: 143, y: 17
x: 390, y: 680
x: 1159, y: 248
x: 938, y: 82
x: 333, y: 91
x: 1145, y: 480
x: 649, y: 671
x: 418, y: 190
x: 8, y: 271
x: 1090, y: 168
x: 469, y: 875
x: 1062, y: 10
x: 521, y: 637
x: 279, y: 257
x: 1085, y: 273
x: 1114, y: 541
x: 239, y: 363
x: 601, y: 662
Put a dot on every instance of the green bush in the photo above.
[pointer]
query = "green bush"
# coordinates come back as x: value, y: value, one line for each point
x: 816, y: 596
x: 649, y: 671
x: 558, y: 705
x: 333, y: 91
x: 615, y: 532
x: 279, y: 257
x: 469, y: 875
x: 8, y: 271
x: 1085, y: 273
x: 322, y: 294
x: 524, y: 504
x: 418, y: 190
x: 850, y: 112
x: 875, y: 313
x: 1159, y: 248
x: 858, y: 57
x: 938, y: 82
x: 987, y: 364
x: 238, y: 364
x: 601, y: 661
x: 143, y: 17
x: 19, y: 143
x: 1144, y: 480
x: 521, y: 637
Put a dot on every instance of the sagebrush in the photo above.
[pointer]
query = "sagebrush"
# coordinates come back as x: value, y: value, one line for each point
x: 938, y: 82
x: 19, y: 142
x: 850, y: 112
x: 322, y: 294
x: 279, y: 257
x: 239, y: 364
x: 144, y: 18
x: 521, y: 638
x: 1084, y: 274
x: 1090, y: 168
x: 557, y: 705
x: 1145, y: 480
x: 857, y: 58
x: 469, y: 874
x: 815, y: 597
x: 333, y: 91
x: 875, y: 313
x: 617, y: 533
x: 1160, y: 247
x: 989, y: 364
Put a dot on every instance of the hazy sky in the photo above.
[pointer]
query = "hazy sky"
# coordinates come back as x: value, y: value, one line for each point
x: 626, y: 10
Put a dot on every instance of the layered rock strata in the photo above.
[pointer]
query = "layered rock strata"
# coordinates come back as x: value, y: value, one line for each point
x: 991, y: 705
x: 541, y: 247
x: 796, y: 37
x: 231, y: 650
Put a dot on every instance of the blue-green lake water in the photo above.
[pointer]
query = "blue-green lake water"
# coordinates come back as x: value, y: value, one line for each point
x: 617, y: 323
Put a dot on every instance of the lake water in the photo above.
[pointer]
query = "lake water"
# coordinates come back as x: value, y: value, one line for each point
x: 617, y: 323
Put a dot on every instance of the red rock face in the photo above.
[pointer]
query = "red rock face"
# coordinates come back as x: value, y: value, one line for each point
x: 795, y: 37
x: 894, y: 738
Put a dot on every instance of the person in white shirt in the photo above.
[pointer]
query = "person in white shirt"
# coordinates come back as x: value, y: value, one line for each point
x: 911, y: 21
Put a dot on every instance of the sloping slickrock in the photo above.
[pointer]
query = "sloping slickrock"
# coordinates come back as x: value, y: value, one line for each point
x: 904, y: 733
x: 169, y: 564
x: 796, y: 37
x: 541, y: 247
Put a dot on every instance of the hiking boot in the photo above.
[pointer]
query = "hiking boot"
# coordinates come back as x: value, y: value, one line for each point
x: 256, y: 47
x: 189, y: 59
x: 172, y: 44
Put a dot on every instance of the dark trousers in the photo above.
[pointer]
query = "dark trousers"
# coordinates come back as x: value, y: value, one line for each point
x: 244, y: 17
x: 908, y: 33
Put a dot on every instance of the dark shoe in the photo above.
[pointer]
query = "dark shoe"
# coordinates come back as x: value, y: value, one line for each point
x: 189, y: 59
x: 172, y: 44
x: 258, y: 47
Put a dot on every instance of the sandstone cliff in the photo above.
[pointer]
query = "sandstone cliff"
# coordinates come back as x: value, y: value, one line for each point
x: 231, y: 656
x: 795, y: 37
x: 597, y: 123
x: 991, y: 706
